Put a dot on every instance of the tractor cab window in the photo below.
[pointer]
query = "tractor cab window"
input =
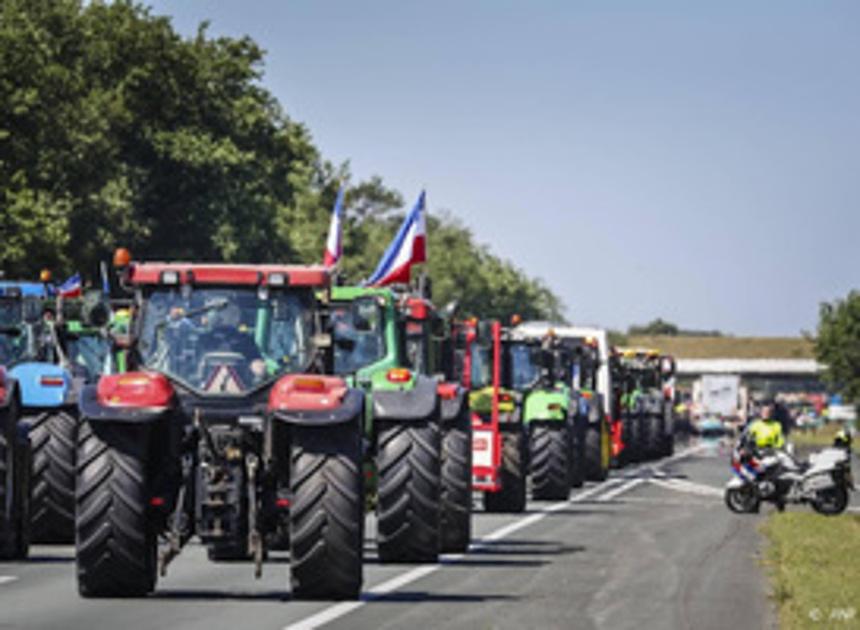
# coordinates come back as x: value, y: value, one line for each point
x: 20, y: 341
x: 88, y: 355
x: 525, y: 365
x: 358, y: 328
x: 227, y: 341
x: 416, y: 346
x: 482, y: 365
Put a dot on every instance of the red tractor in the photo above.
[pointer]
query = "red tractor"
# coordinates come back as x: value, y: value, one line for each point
x: 228, y: 426
x: 499, y: 447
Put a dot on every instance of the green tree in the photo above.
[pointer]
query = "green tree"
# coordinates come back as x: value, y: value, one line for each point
x: 837, y: 344
x: 115, y: 130
x: 655, y: 327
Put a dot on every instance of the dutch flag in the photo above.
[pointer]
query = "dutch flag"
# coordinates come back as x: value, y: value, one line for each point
x: 71, y: 288
x: 334, y: 244
x: 408, y: 248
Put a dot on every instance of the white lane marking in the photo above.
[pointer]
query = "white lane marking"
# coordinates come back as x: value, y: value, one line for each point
x: 681, y: 485
x: 625, y: 487
x: 5, y: 579
x: 336, y: 611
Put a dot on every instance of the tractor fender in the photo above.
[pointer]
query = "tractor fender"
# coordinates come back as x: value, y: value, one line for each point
x: 420, y: 402
x: 349, y: 410
x: 133, y: 397
x: 452, y: 400
x: 43, y: 384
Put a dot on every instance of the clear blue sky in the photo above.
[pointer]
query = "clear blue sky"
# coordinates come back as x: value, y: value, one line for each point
x: 696, y: 161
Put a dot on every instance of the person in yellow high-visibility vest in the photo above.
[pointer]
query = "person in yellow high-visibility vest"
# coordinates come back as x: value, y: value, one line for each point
x: 766, y: 430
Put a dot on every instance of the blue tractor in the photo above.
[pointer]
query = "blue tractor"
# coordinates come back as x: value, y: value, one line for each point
x: 49, y: 355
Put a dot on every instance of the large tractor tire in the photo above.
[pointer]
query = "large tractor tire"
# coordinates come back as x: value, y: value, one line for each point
x: 512, y: 497
x: 669, y: 444
x: 595, y: 468
x: 633, y: 439
x: 550, y: 461
x: 116, y: 544
x: 577, y: 456
x: 14, y: 481
x: 455, y: 520
x: 408, y: 508
x: 654, y: 437
x: 54, y: 436
x: 327, y: 512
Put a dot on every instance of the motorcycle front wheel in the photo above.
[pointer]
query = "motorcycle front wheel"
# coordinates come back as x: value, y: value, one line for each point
x: 743, y: 500
x: 832, y: 501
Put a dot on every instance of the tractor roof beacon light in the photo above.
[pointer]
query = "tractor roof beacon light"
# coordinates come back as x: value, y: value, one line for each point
x: 516, y: 319
x: 45, y: 276
x: 121, y: 258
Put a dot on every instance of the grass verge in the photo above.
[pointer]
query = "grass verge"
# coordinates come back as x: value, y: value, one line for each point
x: 814, y: 566
x: 822, y: 436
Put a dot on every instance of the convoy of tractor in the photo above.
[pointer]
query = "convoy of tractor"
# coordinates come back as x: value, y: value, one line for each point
x: 268, y: 407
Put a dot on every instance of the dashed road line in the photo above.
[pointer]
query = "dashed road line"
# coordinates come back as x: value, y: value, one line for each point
x: 681, y: 485
x: 6, y: 579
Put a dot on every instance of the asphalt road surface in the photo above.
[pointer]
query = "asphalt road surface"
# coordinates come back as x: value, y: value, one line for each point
x: 653, y: 547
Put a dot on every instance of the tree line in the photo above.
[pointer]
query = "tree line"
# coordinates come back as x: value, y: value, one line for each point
x: 117, y: 131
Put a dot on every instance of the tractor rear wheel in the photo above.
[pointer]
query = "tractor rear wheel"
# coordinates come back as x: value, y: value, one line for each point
x: 595, y: 470
x: 549, y: 461
x: 654, y: 444
x: 456, y: 492
x: 512, y: 497
x: 577, y: 454
x: 669, y: 444
x: 14, y: 478
x: 53, y: 435
x: 633, y: 439
x: 327, y: 512
x: 408, y: 508
x: 116, y: 544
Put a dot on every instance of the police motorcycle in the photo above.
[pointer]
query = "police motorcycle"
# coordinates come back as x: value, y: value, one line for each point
x: 774, y: 475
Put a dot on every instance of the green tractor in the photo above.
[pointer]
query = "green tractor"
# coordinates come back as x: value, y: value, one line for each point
x: 644, y: 380
x: 397, y: 347
x: 539, y: 370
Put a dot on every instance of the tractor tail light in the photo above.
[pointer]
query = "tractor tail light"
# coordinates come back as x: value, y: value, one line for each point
x: 399, y: 375
x: 315, y: 385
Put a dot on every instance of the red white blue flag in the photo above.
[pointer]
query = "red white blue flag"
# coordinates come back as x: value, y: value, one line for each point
x: 334, y: 244
x: 71, y: 288
x: 408, y: 248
